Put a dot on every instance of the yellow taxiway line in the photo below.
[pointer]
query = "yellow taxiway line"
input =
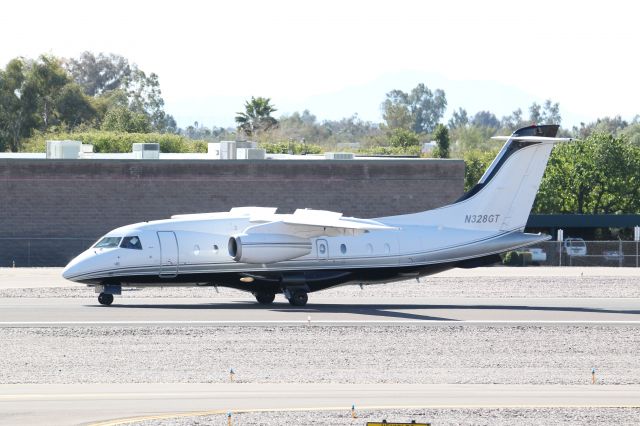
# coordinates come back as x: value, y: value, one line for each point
x: 347, y: 410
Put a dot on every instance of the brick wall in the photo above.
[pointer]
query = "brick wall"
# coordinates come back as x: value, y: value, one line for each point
x: 50, y: 201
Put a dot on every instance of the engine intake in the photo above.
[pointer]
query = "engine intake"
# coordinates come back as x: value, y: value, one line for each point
x: 267, y: 248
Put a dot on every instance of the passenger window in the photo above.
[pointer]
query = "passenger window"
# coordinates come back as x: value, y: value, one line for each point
x: 131, y: 243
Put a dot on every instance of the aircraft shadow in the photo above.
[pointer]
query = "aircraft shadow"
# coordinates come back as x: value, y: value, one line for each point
x: 387, y: 310
x: 366, y: 310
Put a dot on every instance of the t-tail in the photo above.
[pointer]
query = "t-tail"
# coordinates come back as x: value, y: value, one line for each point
x: 502, y: 199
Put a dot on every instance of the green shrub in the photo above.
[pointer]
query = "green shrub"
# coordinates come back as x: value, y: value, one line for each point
x: 295, y: 148
x: 517, y: 258
x: 511, y: 258
x: 118, y: 142
x: 391, y: 150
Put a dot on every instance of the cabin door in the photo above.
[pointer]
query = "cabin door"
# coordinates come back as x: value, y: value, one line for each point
x: 168, y: 254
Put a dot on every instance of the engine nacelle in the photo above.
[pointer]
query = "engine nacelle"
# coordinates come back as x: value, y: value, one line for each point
x: 267, y: 248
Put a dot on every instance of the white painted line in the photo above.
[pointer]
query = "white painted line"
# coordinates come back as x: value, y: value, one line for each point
x: 322, y: 322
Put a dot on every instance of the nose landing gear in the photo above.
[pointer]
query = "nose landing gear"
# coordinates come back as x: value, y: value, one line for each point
x: 106, y: 292
x: 105, y: 299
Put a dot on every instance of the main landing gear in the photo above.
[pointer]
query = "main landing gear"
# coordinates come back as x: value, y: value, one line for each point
x: 265, y: 298
x: 105, y: 299
x: 297, y: 297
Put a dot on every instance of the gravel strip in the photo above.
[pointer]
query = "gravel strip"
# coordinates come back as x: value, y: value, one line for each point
x: 321, y: 354
x: 545, y: 286
x: 440, y: 417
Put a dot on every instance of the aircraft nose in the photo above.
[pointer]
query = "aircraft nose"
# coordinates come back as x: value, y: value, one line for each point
x: 75, y: 268
x: 70, y: 271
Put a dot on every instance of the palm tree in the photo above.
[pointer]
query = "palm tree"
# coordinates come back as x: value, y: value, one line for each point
x: 257, y: 116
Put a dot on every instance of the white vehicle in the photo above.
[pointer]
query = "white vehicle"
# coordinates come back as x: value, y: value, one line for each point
x: 262, y: 252
x: 616, y: 255
x: 538, y: 255
x: 575, y: 247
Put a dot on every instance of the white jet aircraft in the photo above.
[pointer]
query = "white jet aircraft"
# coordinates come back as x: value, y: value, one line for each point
x: 262, y: 252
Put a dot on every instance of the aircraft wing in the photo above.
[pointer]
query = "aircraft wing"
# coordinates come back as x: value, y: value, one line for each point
x: 313, y: 223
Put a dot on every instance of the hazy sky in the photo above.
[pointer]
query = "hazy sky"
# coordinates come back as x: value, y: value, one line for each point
x: 337, y: 58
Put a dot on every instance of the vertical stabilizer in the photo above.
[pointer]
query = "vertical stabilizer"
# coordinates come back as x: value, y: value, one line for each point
x: 502, y: 199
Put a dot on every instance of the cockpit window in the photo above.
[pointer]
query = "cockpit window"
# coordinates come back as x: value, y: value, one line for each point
x: 131, y: 243
x: 108, y: 242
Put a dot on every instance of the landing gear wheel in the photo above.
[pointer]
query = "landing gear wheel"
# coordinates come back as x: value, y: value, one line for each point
x: 265, y: 298
x: 299, y: 298
x: 105, y: 299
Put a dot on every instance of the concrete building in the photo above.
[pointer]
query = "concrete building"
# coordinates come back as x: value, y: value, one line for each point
x: 53, y: 209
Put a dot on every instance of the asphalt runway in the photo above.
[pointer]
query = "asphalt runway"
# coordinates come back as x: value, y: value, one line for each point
x: 114, y: 404
x: 202, y: 311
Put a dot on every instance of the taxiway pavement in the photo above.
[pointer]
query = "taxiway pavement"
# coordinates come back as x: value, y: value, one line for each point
x: 80, y: 403
x: 203, y: 311
x: 73, y: 320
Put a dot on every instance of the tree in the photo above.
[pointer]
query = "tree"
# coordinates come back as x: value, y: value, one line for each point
x: 404, y: 139
x: 396, y: 111
x: 476, y: 162
x: 74, y: 107
x: 47, y: 78
x: 145, y: 97
x: 418, y: 111
x: 596, y: 175
x: 514, y: 121
x: 612, y: 125
x: 299, y: 126
x: 472, y: 138
x: 460, y: 118
x: 441, y: 136
x: 99, y: 74
x: 38, y: 94
x: 122, y: 119
x: 257, y: 116
x: 485, y: 119
x: 17, y: 105
x: 104, y: 75
x: 632, y: 133
x: 548, y: 113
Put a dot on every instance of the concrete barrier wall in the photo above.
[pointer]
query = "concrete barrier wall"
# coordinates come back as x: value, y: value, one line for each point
x: 50, y: 208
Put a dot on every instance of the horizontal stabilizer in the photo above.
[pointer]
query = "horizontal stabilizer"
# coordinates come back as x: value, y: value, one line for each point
x: 531, y: 139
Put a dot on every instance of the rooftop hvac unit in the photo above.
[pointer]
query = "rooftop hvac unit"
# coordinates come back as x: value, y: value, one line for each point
x: 86, y: 151
x: 246, y: 144
x: 64, y: 149
x: 213, y: 150
x: 251, y: 154
x: 338, y: 155
x: 146, y: 151
x: 227, y: 150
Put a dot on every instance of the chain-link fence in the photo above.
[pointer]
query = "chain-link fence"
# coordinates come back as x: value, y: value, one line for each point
x: 576, y: 252
x: 26, y: 252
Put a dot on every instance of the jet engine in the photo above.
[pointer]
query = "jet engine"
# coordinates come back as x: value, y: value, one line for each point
x: 267, y: 248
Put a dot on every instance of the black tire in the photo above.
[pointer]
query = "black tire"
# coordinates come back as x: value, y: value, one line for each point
x: 105, y: 299
x: 299, y: 298
x: 265, y: 298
